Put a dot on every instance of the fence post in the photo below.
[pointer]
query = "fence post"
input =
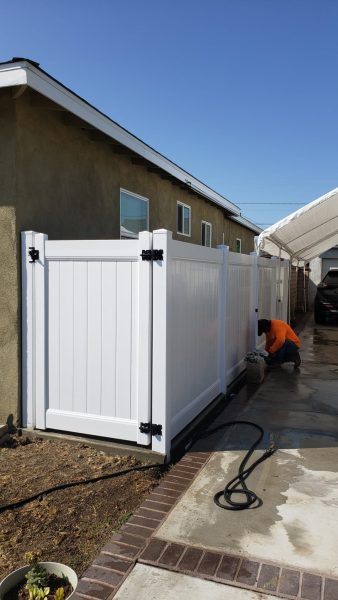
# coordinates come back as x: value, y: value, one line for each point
x: 161, y: 410
x: 144, y: 339
x: 254, y: 300
x: 34, y: 347
x: 223, y: 367
x: 274, y: 297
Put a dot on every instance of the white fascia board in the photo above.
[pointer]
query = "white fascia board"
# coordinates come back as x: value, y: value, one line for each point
x: 246, y: 223
x: 10, y: 74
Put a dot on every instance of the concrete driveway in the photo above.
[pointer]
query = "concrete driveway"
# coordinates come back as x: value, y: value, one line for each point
x: 298, y: 484
x: 180, y: 544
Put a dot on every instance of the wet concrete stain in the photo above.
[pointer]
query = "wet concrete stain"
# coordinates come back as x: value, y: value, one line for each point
x: 226, y: 530
x: 299, y: 538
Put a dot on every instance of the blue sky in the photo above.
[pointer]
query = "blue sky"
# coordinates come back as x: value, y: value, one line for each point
x: 241, y: 93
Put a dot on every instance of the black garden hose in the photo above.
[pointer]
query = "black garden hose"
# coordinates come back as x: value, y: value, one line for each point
x: 63, y: 486
x: 237, y: 485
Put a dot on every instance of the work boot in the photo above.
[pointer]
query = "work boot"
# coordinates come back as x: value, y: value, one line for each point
x: 297, y: 361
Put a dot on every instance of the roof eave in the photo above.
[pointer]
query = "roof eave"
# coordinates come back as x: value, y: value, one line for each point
x: 25, y: 73
x: 246, y: 223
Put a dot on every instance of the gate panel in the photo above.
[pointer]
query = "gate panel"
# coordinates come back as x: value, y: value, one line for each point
x: 98, y: 342
x: 187, y: 330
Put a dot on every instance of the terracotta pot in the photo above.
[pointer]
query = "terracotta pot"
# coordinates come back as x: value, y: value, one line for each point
x: 51, y: 567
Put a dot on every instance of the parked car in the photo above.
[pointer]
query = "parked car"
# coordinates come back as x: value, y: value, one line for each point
x: 326, y: 300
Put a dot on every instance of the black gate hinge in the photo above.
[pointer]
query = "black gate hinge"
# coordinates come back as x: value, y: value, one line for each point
x: 33, y: 253
x: 152, y: 254
x: 151, y: 428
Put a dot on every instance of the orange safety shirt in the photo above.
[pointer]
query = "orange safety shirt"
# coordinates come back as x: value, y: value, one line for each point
x: 278, y: 334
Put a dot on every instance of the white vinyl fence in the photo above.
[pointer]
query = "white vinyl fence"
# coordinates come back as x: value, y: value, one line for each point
x: 123, y: 347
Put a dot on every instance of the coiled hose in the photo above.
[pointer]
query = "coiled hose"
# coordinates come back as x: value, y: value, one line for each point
x: 237, y: 485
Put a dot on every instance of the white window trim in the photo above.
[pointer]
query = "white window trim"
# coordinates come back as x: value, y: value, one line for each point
x: 210, y: 225
x: 135, y: 236
x: 240, y: 245
x: 184, y: 206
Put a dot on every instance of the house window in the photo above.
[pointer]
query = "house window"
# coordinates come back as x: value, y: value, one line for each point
x: 206, y: 234
x: 238, y: 245
x: 134, y: 214
x: 183, y: 219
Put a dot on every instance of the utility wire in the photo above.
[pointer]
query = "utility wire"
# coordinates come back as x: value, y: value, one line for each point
x: 274, y: 203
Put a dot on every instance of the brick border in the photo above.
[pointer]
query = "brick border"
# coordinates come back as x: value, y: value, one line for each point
x: 118, y: 557
x: 274, y: 579
x: 134, y: 542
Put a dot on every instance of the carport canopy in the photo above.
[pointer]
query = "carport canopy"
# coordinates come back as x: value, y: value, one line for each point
x: 304, y: 234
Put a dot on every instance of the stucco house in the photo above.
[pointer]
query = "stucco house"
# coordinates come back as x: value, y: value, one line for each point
x: 71, y: 172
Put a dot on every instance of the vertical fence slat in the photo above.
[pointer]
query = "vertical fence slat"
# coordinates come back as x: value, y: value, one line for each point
x: 123, y: 332
x: 66, y: 334
x: 80, y: 328
x: 108, y: 405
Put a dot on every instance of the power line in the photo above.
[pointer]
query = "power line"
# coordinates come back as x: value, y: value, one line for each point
x: 274, y: 203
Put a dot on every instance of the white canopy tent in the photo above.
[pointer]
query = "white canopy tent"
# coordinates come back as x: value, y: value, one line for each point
x: 306, y: 233
x: 303, y: 235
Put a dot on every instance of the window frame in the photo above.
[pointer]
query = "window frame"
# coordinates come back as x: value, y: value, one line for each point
x: 210, y: 225
x: 184, y: 206
x: 240, y: 245
x: 135, y: 236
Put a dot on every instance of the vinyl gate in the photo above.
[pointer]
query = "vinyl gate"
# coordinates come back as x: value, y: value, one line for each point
x: 87, y: 325
x: 124, y: 347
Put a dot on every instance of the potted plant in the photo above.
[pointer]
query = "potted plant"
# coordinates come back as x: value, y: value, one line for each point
x: 39, y: 581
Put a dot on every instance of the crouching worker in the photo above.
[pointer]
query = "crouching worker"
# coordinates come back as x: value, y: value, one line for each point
x: 282, y: 344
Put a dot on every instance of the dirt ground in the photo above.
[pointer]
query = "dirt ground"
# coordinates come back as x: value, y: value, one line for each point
x: 71, y: 525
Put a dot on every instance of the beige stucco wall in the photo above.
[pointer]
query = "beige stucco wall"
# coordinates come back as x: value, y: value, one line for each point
x: 9, y: 271
x: 60, y: 182
x: 69, y: 186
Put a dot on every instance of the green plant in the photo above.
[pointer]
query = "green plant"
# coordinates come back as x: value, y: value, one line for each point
x: 37, y: 593
x: 123, y: 519
x: 37, y: 580
x: 59, y: 594
x: 37, y: 575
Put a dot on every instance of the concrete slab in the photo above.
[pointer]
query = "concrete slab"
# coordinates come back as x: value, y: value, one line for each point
x: 298, y: 485
x: 101, y: 445
x: 151, y: 583
x: 283, y: 530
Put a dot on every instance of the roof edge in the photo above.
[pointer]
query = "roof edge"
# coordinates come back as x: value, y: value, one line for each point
x: 26, y: 72
x: 243, y: 221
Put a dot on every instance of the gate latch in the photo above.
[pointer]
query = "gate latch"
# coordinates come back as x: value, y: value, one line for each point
x: 33, y: 253
x: 151, y: 428
x: 152, y: 254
